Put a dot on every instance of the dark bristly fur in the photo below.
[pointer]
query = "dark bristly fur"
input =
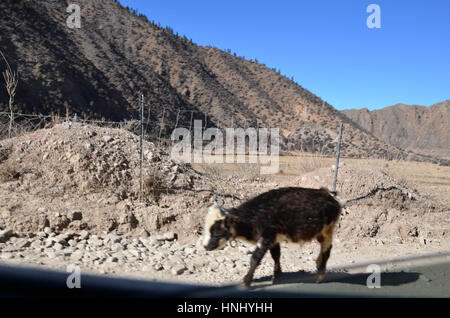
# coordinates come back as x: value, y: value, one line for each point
x: 297, y: 214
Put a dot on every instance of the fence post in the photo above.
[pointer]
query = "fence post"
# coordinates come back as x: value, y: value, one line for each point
x: 337, y: 156
x: 141, y: 148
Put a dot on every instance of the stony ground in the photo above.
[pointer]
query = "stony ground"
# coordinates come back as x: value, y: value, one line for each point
x: 162, y: 257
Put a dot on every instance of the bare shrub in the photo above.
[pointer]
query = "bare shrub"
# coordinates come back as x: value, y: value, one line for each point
x: 312, y: 162
x: 4, y: 153
x: 9, y: 173
x: 11, y: 80
x: 155, y: 184
x: 55, y: 120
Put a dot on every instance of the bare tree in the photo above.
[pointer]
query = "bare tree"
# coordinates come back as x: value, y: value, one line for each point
x: 11, y: 80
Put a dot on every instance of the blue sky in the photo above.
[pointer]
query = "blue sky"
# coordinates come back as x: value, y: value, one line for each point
x: 325, y: 44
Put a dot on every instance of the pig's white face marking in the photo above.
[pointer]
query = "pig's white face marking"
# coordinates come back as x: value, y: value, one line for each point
x: 214, y: 215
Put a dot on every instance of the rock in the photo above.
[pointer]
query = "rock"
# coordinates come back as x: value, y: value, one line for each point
x: 398, y: 240
x: 59, y: 239
x: 84, y: 235
x: 76, y: 216
x: 58, y: 246
x: 68, y: 235
x: 24, y: 243
x: 112, y: 259
x: 48, y: 230
x: 414, y: 232
x: 178, y: 269
x: 36, y: 244
x: 117, y: 247
x: 244, y: 249
x: 49, y: 242
x: 7, y: 255
x: 175, y: 259
x: 152, y: 241
x: 5, y: 234
x: 191, y: 268
x: 136, y: 242
x: 51, y: 255
x: 214, y: 265
x: 113, y: 238
x: 95, y: 241
x: 190, y: 250
x: 78, y: 225
x: 151, y: 156
x: 61, y: 222
x: 107, y: 138
x: 169, y: 236
x: 76, y: 256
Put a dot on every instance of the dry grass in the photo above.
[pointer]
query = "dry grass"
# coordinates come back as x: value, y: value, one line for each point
x: 55, y: 120
x: 9, y: 173
x: 213, y: 171
x: 247, y: 171
x: 288, y: 166
x: 154, y: 184
x: 295, y: 165
x: 411, y: 172
x: 4, y: 153
x: 312, y: 162
x: 430, y: 179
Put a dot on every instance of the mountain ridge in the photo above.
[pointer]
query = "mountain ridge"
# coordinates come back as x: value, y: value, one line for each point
x: 423, y: 129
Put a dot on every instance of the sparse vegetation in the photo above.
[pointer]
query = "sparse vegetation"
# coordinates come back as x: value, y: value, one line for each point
x: 11, y: 81
x: 8, y: 172
x: 155, y: 184
x: 247, y: 171
x: 4, y: 153
x: 311, y: 162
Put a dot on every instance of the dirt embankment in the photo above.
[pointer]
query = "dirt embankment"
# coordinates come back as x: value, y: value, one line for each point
x: 87, y: 178
x: 380, y: 207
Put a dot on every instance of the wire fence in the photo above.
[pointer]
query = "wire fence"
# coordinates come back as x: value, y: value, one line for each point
x: 156, y: 128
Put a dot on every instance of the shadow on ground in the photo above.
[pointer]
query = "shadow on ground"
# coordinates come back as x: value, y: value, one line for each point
x: 387, y: 278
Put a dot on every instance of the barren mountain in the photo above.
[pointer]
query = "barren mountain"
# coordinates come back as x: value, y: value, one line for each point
x: 418, y: 128
x: 101, y: 69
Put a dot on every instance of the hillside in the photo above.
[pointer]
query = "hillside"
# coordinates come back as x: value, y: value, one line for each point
x: 418, y: 128
x: 100, y: 70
